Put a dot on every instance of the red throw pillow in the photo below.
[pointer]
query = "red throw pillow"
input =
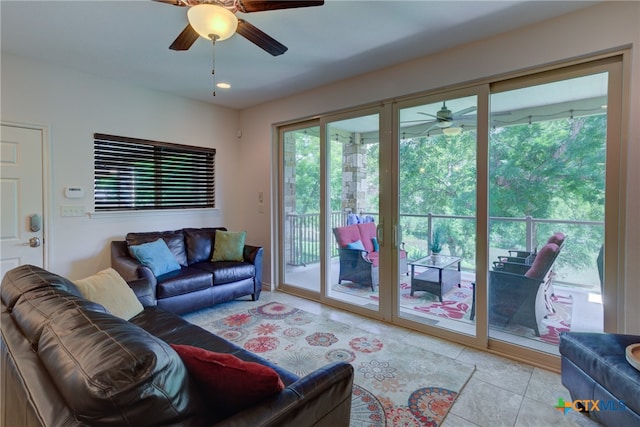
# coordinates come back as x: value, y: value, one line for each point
x: 230, y: 384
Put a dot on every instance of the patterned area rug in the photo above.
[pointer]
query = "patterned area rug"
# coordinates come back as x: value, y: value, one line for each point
x: 457, y: 305
x: 395, y: 384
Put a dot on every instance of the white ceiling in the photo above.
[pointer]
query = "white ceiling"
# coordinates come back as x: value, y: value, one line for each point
x: 128, y: 41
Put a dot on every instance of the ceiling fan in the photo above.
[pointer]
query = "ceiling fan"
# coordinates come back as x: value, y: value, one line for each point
x: 444, y: 117
x: 227, y: 9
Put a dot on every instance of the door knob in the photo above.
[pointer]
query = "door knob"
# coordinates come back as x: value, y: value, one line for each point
x: 34, y: 242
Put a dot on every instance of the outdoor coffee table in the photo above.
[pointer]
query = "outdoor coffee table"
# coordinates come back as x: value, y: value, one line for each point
x: 441, y: 275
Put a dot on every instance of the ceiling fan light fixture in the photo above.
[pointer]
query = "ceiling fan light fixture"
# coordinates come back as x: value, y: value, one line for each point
x: 443, y: 123
x: 212, y: 21
x: 452, y: 131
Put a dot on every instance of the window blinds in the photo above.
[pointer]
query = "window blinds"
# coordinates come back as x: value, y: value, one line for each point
x: 134, y: 174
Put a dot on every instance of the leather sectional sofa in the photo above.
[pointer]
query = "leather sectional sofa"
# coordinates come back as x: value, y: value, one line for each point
x: 199, y: 282
x: 67, y: 362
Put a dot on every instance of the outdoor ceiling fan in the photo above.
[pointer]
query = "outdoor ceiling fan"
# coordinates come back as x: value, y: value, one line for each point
x: 444, y: 117
x: 216, y: 20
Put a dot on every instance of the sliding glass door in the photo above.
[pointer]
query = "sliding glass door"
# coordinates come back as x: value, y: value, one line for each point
x: 437, y: 212
x: 548, y: 157
x: 300, y: 208
x: 487, y: 215
x: 352, y: 214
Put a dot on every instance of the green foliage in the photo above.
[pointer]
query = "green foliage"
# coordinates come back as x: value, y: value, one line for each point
x: 436, y: 240
x: 307, y: 161
x: 550, y: 170
x: 307, y: 170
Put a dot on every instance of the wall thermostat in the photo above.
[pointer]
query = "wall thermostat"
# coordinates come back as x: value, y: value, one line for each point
x: 74, y: 192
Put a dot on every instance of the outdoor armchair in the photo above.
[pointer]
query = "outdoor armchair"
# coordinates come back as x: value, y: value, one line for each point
x: 358, y: 249
x: 515, y: 299
x: 521, y: 296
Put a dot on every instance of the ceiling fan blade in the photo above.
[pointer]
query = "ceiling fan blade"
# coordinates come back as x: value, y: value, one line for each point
x: 426, y: 132
x: 427, y: 114
x: 260, y: 38
x: 465, y: 111
x: 187, y: 37
x: 248, y: 6
x: 172, y: 2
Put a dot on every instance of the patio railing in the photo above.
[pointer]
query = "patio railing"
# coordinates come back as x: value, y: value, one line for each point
x: 303, y: 236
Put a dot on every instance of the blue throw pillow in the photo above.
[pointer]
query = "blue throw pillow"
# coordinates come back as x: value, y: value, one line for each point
x: 376, y: 246
x: 356, y: 245
x: 157, y: 256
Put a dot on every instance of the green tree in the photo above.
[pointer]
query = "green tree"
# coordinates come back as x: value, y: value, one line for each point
x: 550, y: 170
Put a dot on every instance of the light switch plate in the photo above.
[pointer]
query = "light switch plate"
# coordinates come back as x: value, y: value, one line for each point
x: 72, y: 210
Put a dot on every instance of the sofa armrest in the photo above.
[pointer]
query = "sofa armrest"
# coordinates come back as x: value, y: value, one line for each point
x: 515, y: 259
x: 253, y: 254
x: 129, y: 268
x: 519, y: 254
x: 320, y: 399
x: 511, y: 267
x: 144, y: 291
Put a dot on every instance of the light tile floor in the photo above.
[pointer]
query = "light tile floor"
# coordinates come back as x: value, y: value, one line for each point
x: 501, y: 392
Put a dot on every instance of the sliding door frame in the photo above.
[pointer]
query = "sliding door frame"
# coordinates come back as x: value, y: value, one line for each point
x: 615, y: 173
x: 481, y: 92
x: 617, y: 62
x: 326, y: 234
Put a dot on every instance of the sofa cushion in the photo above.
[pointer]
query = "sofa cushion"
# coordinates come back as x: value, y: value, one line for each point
x: 35, y: 308
x: 173, y: 239
x: 367, y: 232
x: 25, y: 278
x: 155, y: 255
x: 352, y: 233
x: 175, y: 330
x: 227, y: 271
x: 542, y: 262
x: 183, y: 281
x: 113, y: 373
x: 229, y: 246
x: 347, y: 234
x: 557, y: 238
x: 199, y: 243
x: 374, y: 257
x: 109, y: 289
x: 229, y: 383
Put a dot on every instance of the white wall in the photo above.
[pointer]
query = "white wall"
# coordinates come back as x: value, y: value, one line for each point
x: 598, y: 28
x: 73, y: 106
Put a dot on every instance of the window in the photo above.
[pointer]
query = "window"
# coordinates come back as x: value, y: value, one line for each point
x: 136, y: 174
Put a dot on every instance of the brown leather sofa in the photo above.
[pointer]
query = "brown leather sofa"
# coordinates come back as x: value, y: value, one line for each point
x: 199, y: 283
x: 67, y: 362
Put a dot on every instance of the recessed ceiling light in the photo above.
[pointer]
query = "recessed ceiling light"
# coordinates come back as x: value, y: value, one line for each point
x: 223, y: 85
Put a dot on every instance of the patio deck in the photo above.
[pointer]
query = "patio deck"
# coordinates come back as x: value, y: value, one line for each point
x: 586, y: 307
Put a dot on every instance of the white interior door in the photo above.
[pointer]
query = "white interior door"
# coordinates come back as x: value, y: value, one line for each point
x: 21, y: 197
